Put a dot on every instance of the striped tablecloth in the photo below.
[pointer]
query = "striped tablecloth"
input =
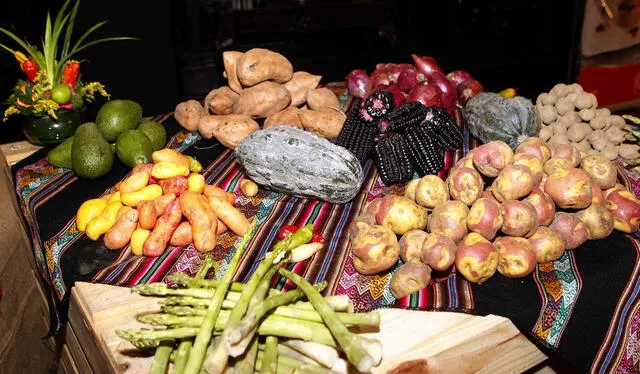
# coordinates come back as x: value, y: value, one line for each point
x: 582, y: 307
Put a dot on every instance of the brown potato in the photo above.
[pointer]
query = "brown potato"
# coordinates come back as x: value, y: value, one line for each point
x: 601, y: 171
x: 182, y: 236
x: 624, y: 206
x: 485, y: 218
x: 430, y: 191
x: 598, y: 219
x: 512, y: 183
x: 517, y: 259
x: 229, y: 129
x: 543, y: 204
x: 492, y: 157
x: 410, y: 189
x: 567, y: 152
x: 401, y: 214
x: 450, y: 218
x: 360, y: 223
x: 438, y: 251
x: 322, y: 99
x: 569, y: 189
x: 289, y: 116
x: 571, y: 229
x: 465, y: 185
x: 324, y: 124
x: 220, y: 100
x: 555, y: 163
x: 300, y: 83
x: 547, y: 244
x: 375, y: 250
x: 411, y: 244
x: 188, y: 114
x: 119, y: 235
x: 259, y: 64
x: 532, y: 162
x: 409, y: 278
x: 477, y: 262
x: 262, y: 100
x: 229, y: 60
x: 519, y: 218
x: 536, y: 147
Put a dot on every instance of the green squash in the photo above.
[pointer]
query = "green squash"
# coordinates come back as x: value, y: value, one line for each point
x: 490, y: 116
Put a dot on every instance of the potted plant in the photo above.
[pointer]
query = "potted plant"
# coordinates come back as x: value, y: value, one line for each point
x: 52, y: 96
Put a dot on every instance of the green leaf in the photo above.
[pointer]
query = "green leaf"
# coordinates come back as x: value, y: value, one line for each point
x: 631, y: 118
x: 102, y: 41
x: 40, y: 61
x: 49, y: 51
x: 67, y: 37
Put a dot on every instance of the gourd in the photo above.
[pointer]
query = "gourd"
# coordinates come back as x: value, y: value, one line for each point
x: 490, y: 116
x: 296, y: 162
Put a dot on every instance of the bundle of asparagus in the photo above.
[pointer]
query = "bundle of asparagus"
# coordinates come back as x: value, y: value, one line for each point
x: 219, y: 326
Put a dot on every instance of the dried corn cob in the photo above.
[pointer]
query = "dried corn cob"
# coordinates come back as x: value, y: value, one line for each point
x: 426, y: 158
x: 358, y: 136
x: 444, y: 130
x: 406, y: 115
x: 391, y: 157
x: 379, y: 103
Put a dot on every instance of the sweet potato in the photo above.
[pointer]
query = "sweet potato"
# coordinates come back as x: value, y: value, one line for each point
x: 410, y: 277
x: 492, y: 157
x: 512, y: 183
x: 438, y: 251
x: 465, y: 185
x: 485, y: 218
x: 324, y: 124
x: 375, y: 250
x: 161, y: 203
x: 262, y: 100
x: 571, y: 229
x: 300, y: 83
x: 547, y: 244
x: 197, y: 210
x: 220, y: 100
x: 182, y: 235
x: 147, y: 214
x: 157, y: 241
x: 230, y: 215
x: 229, y: 129
x: 517, y: 259
x: 259, y: 64
x: 230, y: 59
x: 119, y: 235
x: 322, y: 99
x: 289, y: 116
x: 449, y: 218
x: 188, y: 114
x: 411, y: 244
x: 401, y: 214
x: 430, y: 191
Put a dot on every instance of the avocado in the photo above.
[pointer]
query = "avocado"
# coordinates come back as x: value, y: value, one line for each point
x: 116, y: 116
x: 133, y: 147
x: 91, y: 154
x: 60, y: 156
x: 156, y: 132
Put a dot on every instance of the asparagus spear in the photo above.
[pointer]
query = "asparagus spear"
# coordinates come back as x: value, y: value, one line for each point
x: 246, y: 364
x: 217, y: 361
x: 145, y: 339
x: 184, y: 280
x: 161, y: 357
x: 270, y: 358
x: 291, y: 365
x: 339, y: 303
x: 352, y: 347
x: 322, y: 354
x: 198, y: 351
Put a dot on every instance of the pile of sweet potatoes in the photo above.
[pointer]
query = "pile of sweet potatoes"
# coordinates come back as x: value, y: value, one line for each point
x: 499, y: 210
x: 262, y: 86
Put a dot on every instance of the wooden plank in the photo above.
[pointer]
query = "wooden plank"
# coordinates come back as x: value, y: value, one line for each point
x: 18, y: 151
x: 66, y: 364
x: 76, y: 350
x: 440, y: 342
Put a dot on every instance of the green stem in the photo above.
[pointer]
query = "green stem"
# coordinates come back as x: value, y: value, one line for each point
x: 161, y: 358
x: 145, y: 339
x: 270, y: 358
x: 354, y: 350
x: 182, y: 354
x: 247, y: 363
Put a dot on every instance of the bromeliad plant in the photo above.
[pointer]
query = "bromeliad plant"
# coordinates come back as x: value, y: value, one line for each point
x: 53, y: 79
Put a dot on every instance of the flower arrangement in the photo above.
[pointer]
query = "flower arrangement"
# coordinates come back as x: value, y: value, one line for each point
x: 53, y: 80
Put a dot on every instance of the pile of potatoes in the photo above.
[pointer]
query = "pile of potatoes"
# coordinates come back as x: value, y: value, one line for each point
x: 498, y: 210
x: 569, y: 115
x: 263, y: 86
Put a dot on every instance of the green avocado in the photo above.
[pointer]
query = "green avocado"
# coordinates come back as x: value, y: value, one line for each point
x: 60, y: 156
x: 116, y: 116
x: 91, y: 154
x: 133, y: 147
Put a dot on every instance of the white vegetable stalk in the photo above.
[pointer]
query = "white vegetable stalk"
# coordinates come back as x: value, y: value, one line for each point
x: 321, y: 353
x: 340, y: 367
x: 298, y: 254
x: 283, y: 350
x: 373, y: 347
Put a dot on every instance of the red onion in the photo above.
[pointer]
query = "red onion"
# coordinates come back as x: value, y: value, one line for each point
x: 458, y: 76
x: 409, y: 78
x: 378, y: 77
x: 426, y: 64
x: 448, y: 91
x: 394, y: 71
x: 427, y: 94
x: 357, y: 83
x: 398, y: 95
x: 468, y: 89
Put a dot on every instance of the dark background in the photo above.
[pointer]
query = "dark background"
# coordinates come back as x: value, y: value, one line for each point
x: 530, y: 45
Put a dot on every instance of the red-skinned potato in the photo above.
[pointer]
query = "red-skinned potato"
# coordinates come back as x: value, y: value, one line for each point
x: 375, y: 250
x: 597, y: 196
x: 624, y: 206
x: 555, y: 163
x: 536, y: 147
x: 569, y: 189
x: 360, y: 223
x: 465, y: 185
x: 410, y: 189
x: 449, y: 218
x: 512, y: 183
x: 547, y: 244
x: 492, y: 157
x: 410, y: 277
x: 465, y: 162
x: 568, y: 152
x: 373, y: 206
x: 602, y: 171
x: 519, y: 218
x: 571, y: 229
x: 411, y: 244
x: 438, y: 251
x: 478, y: 261
x: 598, y: 220
x: 401, y: 214
x: 608, y: 191
x: 430, y: 191
x: 543, y: 181
x: 485, y: 217
x: 472, y: 238
x: 532, y: 162
x: 517, y: 259
x: 543, y: 204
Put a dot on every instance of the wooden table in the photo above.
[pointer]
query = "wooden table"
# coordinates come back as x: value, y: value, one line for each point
x: 444, y: 342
